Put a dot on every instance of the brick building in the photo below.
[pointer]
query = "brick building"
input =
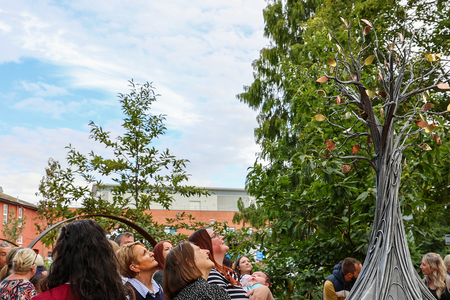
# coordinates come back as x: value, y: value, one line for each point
x: 21, y: 209
x: 220, y: 206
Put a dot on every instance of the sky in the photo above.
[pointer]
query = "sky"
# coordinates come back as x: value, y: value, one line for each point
x: 62, y: 64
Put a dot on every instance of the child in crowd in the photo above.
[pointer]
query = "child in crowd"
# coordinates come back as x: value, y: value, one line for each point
x: 256, y: 280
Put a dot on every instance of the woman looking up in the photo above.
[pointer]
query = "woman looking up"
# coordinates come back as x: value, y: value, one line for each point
x: 160, y: 251
x: 138, y: 264
x: 17, y: 286
x: 243, y: 267
x: 220, y: 274
x: 84, y: 267
x: 185, y: 273
x: 435, y: 275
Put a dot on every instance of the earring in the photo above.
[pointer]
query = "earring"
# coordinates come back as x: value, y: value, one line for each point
x: 139, y: 274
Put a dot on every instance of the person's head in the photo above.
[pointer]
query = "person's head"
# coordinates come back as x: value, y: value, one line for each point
x: 84, y: 258
x: 434, y: 270
x: 447, y: 262
x: 36, y: 281
x: 39, y: 260
x: 6, y: 270
x: 24, y: 262
x: 4, y: 249
x: 228, y: 262
x: 243, y: 266
x: 351, y: 269
x: 114, y: 245
x: 209, y: 240
x: 184, y: 264
x: 259, y: 277
x: 124, y: 238
x: 160, y: 251
x: 134, y: 259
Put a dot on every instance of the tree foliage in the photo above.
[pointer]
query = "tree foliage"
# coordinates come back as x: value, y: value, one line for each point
x: 317, y: 211
x: 142, y: 173
x: 13, y: 227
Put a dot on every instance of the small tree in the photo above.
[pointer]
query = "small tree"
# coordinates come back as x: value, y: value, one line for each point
x: 143, y: 174
x: 381, y: 124
x: 58, y: 190
x: 13, y: 228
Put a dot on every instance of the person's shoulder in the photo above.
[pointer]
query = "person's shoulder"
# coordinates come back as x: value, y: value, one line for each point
x: 219, y: 292
x: 215, y: 275
x: 328, y: 286
x: 58, y: 293
x: 202, y: 290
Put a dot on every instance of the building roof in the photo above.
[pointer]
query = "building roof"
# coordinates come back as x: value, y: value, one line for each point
x: 16, y: 201
x: 211, y: 189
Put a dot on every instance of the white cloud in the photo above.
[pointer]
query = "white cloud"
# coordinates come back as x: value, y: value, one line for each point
x: 48, y: 107
x: 41, y: 89
x: 198, y: 53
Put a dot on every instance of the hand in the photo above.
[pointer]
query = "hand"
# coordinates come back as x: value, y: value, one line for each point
x: 260, y: 293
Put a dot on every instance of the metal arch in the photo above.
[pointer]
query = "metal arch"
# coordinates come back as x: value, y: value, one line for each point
x: 9, y: 242
x: 140, y: 230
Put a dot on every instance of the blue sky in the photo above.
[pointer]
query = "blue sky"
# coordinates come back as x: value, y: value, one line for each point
x: 63, y: 62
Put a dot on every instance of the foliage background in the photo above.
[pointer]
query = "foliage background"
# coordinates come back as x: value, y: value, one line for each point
x: 311, y: 214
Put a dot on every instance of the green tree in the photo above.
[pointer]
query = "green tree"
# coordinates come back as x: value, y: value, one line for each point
x: 13, y: 227
x: 57, y: 190
x: 316, y: 213
x: 142, y: 173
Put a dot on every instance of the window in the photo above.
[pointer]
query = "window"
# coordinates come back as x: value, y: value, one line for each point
x: 20, y: 240
x: 5, y: 213
x: 20, y: 216
x: 170, y: 230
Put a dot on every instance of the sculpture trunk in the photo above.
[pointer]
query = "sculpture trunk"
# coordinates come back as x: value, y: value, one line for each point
x: 388, y: 272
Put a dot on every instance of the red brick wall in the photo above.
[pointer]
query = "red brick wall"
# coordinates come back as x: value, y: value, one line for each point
x: 200, y: 216
x: 29, y: 233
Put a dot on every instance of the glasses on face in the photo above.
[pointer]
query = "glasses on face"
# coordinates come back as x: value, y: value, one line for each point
x: 181, y: 246
x: 214, y: 235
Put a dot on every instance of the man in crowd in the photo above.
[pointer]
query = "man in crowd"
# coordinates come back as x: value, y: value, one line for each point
x: 124, y: 238
x: 4, y: 249
x: 338, y: 285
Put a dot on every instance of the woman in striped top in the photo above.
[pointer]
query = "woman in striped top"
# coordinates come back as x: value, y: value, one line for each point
x: 220, y: 274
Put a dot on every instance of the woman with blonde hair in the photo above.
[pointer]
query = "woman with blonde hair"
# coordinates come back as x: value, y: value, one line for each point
x: 138, y: 265
x: 435, y: 275
x: 17, y: 286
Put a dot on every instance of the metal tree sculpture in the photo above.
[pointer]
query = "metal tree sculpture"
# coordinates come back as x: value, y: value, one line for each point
x: 388, y: 272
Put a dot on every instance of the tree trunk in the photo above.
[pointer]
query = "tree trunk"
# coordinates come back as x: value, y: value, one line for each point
x: 388, y: 272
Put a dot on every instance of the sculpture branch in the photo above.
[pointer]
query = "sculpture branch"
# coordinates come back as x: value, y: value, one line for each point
x: 358, y: 157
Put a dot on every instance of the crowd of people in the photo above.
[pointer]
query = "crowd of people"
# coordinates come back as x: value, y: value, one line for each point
x: 87, y: 265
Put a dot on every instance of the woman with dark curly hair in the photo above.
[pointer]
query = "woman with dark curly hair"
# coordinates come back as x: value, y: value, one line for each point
x: 160, y: 251
x: 220, y: 274
x: 85, y: 266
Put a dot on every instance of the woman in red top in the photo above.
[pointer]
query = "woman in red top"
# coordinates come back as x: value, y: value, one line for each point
x: 85, y: 266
